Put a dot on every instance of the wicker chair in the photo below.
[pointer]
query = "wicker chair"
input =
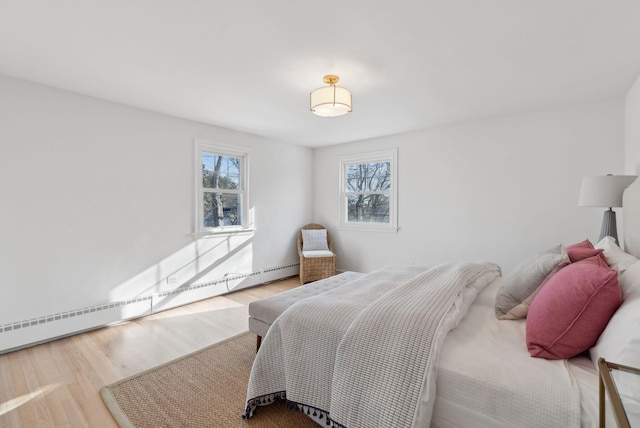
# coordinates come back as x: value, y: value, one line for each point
x: 315, y: 268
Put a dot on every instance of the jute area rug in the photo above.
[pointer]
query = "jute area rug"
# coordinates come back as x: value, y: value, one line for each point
x: 204, y: 389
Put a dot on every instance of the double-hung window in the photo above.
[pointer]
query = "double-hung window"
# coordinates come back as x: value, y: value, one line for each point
x: 221, y: 178
x: 368, y: 191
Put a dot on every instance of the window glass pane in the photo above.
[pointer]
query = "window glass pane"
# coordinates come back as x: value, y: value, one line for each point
x: 220, y: 172
x: 368, y: 208
x: 368, y: 177
x: 222, y: 209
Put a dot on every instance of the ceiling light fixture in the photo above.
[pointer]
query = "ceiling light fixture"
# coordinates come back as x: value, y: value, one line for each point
x: 332, y: 100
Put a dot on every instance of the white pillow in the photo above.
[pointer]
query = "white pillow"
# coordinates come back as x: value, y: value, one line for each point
x: 620, y: 340
x: 616, y: 258
x: 314, y: 239
x: 519, y: 288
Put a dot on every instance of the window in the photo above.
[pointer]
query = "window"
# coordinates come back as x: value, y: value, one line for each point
x: 368, y: 191
x: 222, y: 189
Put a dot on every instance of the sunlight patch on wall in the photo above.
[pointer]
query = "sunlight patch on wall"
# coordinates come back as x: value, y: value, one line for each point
x: 203, y: 260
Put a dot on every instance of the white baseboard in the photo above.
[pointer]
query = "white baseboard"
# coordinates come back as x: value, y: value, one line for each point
x: 24, y: 333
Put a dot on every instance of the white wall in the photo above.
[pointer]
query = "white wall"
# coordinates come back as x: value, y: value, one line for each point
x: 632, y: 129
x: 497, y: 189
x: 98, y: 207
x: 97, y: 202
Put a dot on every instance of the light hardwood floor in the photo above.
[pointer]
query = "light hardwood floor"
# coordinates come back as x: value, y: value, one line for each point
x: 57, y: 384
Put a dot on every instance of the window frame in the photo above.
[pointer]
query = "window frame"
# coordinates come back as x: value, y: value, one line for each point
x: 390, y: 155
x: 204, y: 146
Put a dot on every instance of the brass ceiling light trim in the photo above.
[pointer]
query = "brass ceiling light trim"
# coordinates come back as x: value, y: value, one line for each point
x: 331, y: 79
x: 332, y: 100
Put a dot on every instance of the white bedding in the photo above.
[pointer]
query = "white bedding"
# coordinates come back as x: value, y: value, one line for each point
x: 340, y: 341
x: 487, y: 378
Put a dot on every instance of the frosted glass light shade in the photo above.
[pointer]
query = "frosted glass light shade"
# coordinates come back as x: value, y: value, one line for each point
x: 331, y: 101
x: 604, y: 190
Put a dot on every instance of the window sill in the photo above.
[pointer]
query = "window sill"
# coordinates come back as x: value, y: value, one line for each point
x: 369, y: 228
x: 211, y: 233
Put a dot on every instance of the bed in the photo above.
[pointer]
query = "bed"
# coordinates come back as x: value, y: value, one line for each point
x: 368, y: 364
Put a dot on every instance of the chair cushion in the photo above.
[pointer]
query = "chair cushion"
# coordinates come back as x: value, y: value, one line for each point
x: 317, y: 253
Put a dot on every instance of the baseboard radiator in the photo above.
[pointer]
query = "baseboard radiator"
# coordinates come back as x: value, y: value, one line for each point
x: 24, y: 333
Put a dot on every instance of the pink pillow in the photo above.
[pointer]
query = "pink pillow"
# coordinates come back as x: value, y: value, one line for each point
x: 583, y: 250
x: 572, y: 309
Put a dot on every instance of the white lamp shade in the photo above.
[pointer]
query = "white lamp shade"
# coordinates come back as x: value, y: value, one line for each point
x: 331, y: 101
x: 604, y: 190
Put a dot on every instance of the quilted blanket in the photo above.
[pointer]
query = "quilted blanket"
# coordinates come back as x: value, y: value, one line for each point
x: 364, y: 354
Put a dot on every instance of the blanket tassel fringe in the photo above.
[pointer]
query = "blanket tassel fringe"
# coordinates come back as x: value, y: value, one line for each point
x: 267, y: 399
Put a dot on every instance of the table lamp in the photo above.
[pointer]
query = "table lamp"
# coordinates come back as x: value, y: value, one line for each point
x: 605, y: 191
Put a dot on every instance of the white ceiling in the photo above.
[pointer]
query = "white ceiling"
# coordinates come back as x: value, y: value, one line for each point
x: 249, y: 65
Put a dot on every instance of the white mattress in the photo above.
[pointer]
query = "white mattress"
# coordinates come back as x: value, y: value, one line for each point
x: 483, y: 353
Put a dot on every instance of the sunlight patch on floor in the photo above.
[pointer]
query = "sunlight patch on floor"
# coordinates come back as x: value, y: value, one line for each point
x: 216, y: 304
x: 14, y: 403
